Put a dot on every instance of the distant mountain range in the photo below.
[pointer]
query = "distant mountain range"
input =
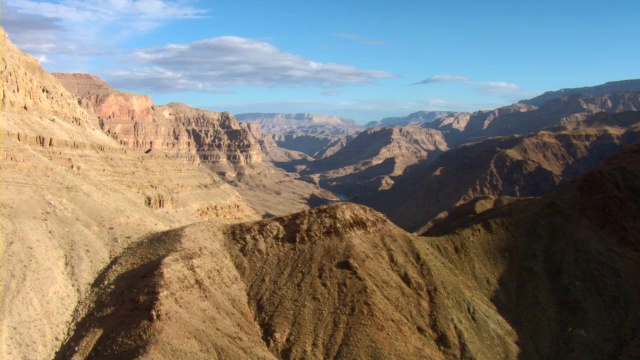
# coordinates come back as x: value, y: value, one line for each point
x: 307, y: 133
x: 416, y: 118
x: 599, y: 90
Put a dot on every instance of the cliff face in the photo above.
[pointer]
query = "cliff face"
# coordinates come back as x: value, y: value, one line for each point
x: 135, y: 122
x: 73, y: 198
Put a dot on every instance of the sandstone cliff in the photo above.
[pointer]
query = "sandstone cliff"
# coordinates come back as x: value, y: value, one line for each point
x: 239, y: 154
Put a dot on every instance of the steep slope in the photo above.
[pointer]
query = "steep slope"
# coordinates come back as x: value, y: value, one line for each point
x: 564, y: 269
x: 365, y: 163
x: 307, y: 133
x: 517, y: 166
x: 355, y: 286
x: 72, y: 198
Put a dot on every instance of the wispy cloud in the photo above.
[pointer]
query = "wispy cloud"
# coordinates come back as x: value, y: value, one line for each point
x: 232, y: 61
x: 442, y: 79
x: 332, y: 93
x: 346, y: 36
x: 496, y: 88
x: 359, y: 39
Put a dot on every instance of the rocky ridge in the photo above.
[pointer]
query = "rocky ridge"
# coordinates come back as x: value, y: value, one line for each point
x: 366, y: 163
x: 517, y: 166
x: 598, y: 90
x: 522, y: 118
x: 336, y: 281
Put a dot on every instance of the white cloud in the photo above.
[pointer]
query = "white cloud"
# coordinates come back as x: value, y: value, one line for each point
x: 92, y: 27
x: 89, y: 11
x: 499, y: 88
x: 42, y: 59
x: 442, y: 79
x: 233, y: 61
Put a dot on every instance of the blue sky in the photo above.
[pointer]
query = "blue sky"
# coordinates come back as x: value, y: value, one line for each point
x: 363, y: 60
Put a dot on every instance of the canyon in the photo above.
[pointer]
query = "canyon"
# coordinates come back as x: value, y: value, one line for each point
x: 136, y: 230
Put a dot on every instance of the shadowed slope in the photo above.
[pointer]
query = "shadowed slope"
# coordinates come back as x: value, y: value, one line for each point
x: 517, y: 166
x: 564, y: 270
